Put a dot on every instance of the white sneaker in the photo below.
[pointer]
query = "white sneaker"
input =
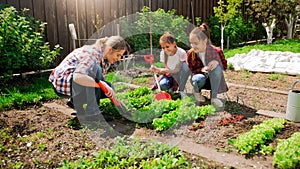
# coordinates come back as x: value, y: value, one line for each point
x: 217, y: 102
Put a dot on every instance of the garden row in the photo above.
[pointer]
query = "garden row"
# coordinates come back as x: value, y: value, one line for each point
x: 164, y: 114
x: 286, y: 153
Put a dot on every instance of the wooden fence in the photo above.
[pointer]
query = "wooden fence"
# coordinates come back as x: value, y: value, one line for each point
x: 89, y: 14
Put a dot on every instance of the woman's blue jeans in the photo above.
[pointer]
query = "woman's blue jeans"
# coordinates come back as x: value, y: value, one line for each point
x: 181, y: 77
x: 88, y: 95
x: 200, y: 81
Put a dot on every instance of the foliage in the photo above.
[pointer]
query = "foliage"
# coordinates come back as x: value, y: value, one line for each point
x: 21, y: 96
x: 22, y: 46
x: 287, y: 10
x: 256, y: 138
x: 132, y: 153
x: 263, y: 11
x: 238, y: 30
x: 137, y: 33
x: 225, y: 11
x: 280, y: 45
x: 287, y: 152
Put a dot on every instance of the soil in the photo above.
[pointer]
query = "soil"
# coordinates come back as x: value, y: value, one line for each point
x: 206, y: 147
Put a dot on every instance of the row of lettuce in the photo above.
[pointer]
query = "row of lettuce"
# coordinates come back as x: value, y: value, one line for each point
x: 165, y: 114
x: 287, y: 151
x: 141, y: 107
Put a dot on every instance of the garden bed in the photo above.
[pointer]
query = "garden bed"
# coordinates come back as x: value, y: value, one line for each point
x: 40, y: 137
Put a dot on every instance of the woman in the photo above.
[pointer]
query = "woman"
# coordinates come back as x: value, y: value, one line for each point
x: 175, y: 71
x: 75, y: 76
x: 206, y: 66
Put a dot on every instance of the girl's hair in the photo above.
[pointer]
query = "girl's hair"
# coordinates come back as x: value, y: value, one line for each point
x: 205, y: 29
x: 167, y: 38
x: 202, y: 32
x: 116, y: 42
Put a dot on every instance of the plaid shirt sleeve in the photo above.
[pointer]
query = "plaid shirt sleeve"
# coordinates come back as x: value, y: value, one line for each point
x: 222, y: 57
x: 80, y: 60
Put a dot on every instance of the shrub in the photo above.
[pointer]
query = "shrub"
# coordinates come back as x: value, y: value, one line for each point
x: 22, y: 46
x: 137, y: 32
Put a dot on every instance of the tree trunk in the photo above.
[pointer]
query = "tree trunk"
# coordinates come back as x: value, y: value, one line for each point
x: 222, y: 35
x: 269, y: 30
x: 290, y: 24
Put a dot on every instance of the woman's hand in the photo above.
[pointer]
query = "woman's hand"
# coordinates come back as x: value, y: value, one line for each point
x: 212, y: 65
x: 110, y: 91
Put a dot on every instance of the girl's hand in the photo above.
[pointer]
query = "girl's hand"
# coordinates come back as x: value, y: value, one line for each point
x: 212, y: 65
x: 153, y: 68
x: 204, y: 69
x: 164, y: 71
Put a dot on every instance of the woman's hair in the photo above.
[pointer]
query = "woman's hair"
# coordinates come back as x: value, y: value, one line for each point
x: 115, y: 42
x: 167, y: 38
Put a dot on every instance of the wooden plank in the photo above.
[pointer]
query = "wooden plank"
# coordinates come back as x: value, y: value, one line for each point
x: 107, y: 17
x: 51, y: 27
x: 201, y: 7
x: 90, y: 17
x: 82, y: 21
x: 171, y: 4
x: 27, y: 4
x: 180, y: 7
x: 60, y: 108
x: 3, y: 2
x: 14, y: 3
x: 258, y: 88
x: 160, y: 4
x: 204, y: 11
x: 196, y: 8
x: 63, y: 35
x: 176, y: 6
x: 270, y: 114
x: 38, y: 10
x: 184, y: 8
x: 114, y: 14
x: 122, y: 8
x: 154, y: 5
x: 99, y: 12
x: 71, y: 19
x: 165, y: 5
x: 188, y: 9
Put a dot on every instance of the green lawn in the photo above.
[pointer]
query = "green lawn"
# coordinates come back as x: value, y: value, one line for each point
x: 280, y: 45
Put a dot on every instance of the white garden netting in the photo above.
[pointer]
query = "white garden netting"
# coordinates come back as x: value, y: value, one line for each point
x: 267, y: 61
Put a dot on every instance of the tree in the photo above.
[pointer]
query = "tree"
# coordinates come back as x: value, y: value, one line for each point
x: 287, y: 9
x: 265, y: 12
x: 226, y: 11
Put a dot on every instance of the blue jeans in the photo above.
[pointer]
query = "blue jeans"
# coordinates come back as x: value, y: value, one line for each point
x: 181, y: 77
x: 88, y: 95
x: 212, y: 81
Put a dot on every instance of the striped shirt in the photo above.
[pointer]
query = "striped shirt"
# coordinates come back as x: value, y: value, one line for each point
x: 81, y: 60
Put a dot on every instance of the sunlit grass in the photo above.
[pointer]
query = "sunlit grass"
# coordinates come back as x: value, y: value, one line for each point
x: 280, y: 45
